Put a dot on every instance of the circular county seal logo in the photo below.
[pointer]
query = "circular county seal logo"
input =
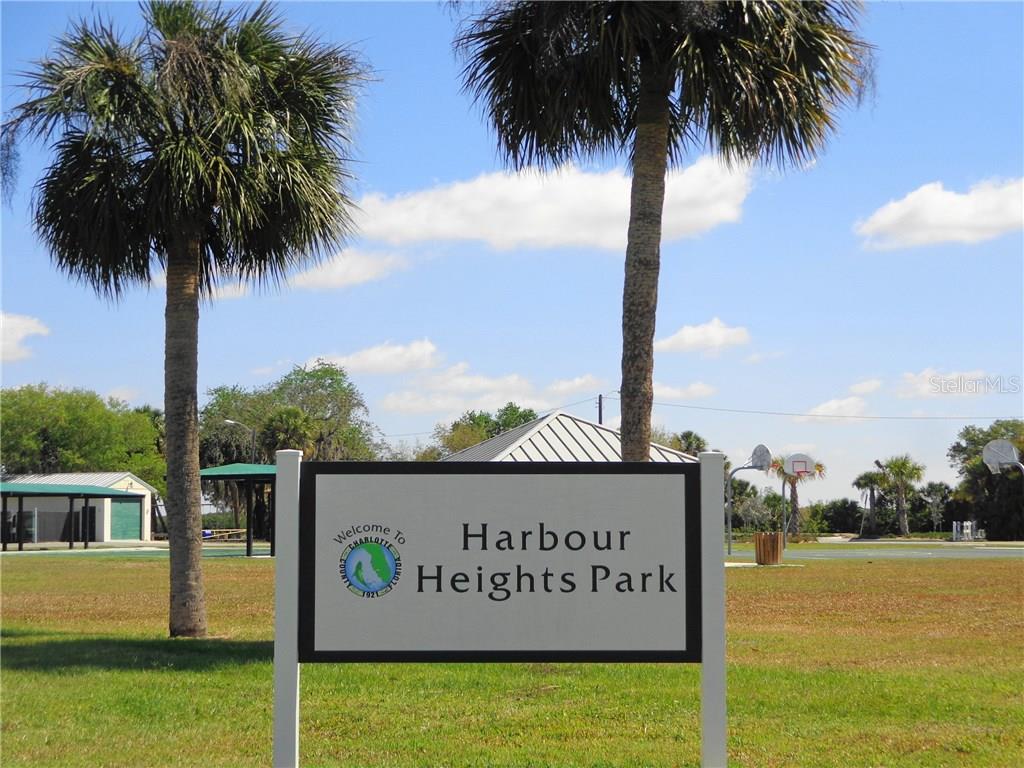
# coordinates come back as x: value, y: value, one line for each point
x: 370, y: 566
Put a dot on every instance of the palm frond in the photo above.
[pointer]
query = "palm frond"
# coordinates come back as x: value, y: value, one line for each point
x: 87, y: 213
x: 215, y: 121
x: 754, y: 81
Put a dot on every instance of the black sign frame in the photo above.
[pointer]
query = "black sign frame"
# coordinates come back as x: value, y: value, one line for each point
x: 310, y: 471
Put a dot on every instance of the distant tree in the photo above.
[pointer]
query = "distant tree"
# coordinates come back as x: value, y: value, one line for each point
x: 927, y: 505
x: 995, y: 502
x: 474, y: 427
x: 741, y: 490
x: 840, y: 516
x: 58, y: 430
x: 341, y: 429
x: 899, y: 474
x: 662, y: 436
x: 778, y: 468
x: 869, y: 483
x: 429, y: 453
x: 509, y: 417
x: 812, y: 519
x: 318, y: 409
x: 286, y: 428
x: 156, y: 418
x: 757, y: 512
x: 461, y: 434
x: 690, y: 442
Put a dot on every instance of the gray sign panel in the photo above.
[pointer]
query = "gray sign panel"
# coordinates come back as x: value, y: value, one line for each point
x: 416, y: 562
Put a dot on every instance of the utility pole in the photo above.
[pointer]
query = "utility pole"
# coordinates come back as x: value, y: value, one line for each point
x: 600, y: 409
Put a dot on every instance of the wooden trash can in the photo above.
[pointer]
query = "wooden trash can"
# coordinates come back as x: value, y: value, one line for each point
x: 768, y: 548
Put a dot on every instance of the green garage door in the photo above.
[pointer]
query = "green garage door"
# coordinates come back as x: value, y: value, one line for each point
x: 125, y: 519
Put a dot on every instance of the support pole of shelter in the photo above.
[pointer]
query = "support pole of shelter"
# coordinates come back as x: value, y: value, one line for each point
x: 71, y: 522
x: 3, y: 527
x: 85, y: 523
x: 248, y: 518
x: 712, y: 676
x: 21, y: 523
x: 286, y: 611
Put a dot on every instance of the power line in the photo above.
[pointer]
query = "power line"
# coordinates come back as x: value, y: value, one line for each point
x: 823, y: 415
x: 570, y: 405
x: 543, y: 413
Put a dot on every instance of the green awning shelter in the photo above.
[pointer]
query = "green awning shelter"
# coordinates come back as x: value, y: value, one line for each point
x: 77, y: 491
x: 264, y: 473
x: 249, y: 476
x: 21, y: 491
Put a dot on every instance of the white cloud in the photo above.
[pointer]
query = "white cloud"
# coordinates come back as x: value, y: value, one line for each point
x: 125, y: 394
x: 846, y: 406
x: 931, y: 383
x: 388, y: 358
x: 266, y: 370
x: 568, y: 207
x: 690, y: 392
x: 866, y: 387
x: 933, y: 214
x: 455, y: 390
x: 587, y: 383
x: 761, y: 357
x: 14, y: 329
x: 709, y: 337
x: 350, y: 267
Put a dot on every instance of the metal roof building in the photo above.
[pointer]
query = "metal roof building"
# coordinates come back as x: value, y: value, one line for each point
x: 76, y: 506
x: 560, y: 436
x: 101, y: 479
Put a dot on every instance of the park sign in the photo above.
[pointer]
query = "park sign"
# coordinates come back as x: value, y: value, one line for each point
x: 499, y: 562
x: 483, y: 561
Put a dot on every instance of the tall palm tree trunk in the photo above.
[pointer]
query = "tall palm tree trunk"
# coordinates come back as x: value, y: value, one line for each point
x: 184, y: 515
x: 643, y: 257
x: 794, y: 508
x: 872, y: 523
x: 901, y: 509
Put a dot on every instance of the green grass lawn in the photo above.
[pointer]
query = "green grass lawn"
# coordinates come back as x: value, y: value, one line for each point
x: 838, y: 663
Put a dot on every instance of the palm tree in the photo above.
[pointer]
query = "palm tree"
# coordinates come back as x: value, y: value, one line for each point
x: 778, y: 468
x: 755, y: 81
x: 287, y: 427
x: 899, y: 475
x: 689, y: 442
x: 213, y: 146
x: 869, y: 483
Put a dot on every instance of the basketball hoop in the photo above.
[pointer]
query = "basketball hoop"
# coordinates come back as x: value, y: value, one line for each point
x: 998, y: 454
x: 798, y: 465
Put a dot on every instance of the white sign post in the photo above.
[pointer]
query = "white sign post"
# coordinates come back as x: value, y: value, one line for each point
x: 286, y: 610
x: 712, y: 559
x: 549, y: 562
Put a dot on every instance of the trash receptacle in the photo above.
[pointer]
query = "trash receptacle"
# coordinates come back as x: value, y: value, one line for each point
x: 768, y: 548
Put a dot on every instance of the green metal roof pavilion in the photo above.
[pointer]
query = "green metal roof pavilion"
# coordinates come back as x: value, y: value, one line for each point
x: 77, y: 491
x: 250, y: 475
x: 264, y: 472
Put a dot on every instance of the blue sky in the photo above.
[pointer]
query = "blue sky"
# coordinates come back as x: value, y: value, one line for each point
x: 861, y: 286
